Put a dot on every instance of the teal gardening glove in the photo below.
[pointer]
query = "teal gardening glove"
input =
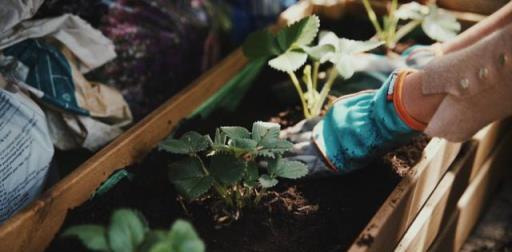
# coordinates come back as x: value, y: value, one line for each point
x: 357, y: 128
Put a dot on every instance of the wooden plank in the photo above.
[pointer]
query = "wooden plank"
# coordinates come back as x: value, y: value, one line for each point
x: 443, y: 200
x: 401, y: 207
x: 473, y: 201
x: 34, y: 227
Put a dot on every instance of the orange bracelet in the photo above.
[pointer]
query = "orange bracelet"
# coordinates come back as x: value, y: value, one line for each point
x: 398, y: 101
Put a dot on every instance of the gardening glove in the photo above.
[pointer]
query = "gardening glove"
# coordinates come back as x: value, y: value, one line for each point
x: 416, y: 57
x: 355, y: 129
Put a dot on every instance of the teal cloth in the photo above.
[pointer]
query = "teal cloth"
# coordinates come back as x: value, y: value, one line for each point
x: 361, y: 126
x: 49, y: 72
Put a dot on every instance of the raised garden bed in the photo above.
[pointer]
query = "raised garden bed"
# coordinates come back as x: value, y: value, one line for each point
x: 327, y: 213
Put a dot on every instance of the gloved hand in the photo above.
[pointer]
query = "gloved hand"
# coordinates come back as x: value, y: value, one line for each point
x: 357, y: 128
x: 416, y: 57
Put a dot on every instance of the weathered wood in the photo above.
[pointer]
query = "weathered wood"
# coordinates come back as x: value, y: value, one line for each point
x: 401, y: 207
x: 443, y: 200
x: 34, y: 227
x: 472, y: 202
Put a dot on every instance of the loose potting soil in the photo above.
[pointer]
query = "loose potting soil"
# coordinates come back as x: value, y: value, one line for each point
x: 300, y: 216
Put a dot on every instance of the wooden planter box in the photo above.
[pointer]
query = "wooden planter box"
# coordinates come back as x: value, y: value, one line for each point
x: 34, y: 227
x: 436, y: 215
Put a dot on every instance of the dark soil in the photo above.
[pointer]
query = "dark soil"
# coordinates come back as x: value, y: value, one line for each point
x: 308, y: 215
x: 317, y: 215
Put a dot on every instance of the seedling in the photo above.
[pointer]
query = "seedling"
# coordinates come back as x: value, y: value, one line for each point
x: 129, y: 232
x: 291, y: 48
x: 237, y: 164
x: 438, y: 24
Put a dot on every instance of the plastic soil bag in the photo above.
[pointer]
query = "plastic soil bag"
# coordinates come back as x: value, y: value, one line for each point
x: 26, y: 153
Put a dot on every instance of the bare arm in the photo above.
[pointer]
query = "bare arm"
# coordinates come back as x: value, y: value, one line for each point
x: 485, y: 27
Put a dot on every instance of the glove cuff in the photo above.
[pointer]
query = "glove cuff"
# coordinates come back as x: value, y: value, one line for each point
x: 397, y: 97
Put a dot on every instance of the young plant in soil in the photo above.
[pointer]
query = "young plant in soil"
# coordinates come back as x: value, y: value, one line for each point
x: 438, y: 24
x: 129, y: 232
x: 291, y: 48
x: 237, y: 166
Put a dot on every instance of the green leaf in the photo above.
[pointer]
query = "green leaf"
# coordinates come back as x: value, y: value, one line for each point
x: 162, y: 246
x: 251, y: 174
x: 299, y: 33
x: 189, y: 178
x: 440, y: 25
x: 220, y: 137
x: 227, y: 168
x: 126, y: 231
x: 190, y: 142
x: 174, y: 146
x: 320, y: 53
x: 266, y: 181
x: 348, y: 46
x: 244, y: 144
x: 236, y: 132
x: 265, y: 130
x: 288, y: 61
x: 93, y: 237
x: 288, y: 169
x: 153, y: 238
x: 260, y: 44
x: 412, y: 10
x: 184, y: 238
x: 196, y: 141
x: 277, y: 145
x: 344, y: 66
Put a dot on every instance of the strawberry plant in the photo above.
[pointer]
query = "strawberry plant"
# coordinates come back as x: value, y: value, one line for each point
x: 291, y: 48
x: 237, y: 165
x: 129, y: 232
x: 438, y: 24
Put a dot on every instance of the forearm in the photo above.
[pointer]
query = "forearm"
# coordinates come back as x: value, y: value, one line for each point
x: 499, y: 19
x: 471, y: 86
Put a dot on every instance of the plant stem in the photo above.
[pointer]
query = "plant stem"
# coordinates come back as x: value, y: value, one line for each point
x: 307, y: 78
x: 393, y: 22
x: 296, y: 83
x: 316, y: 66
x: 325, y: 91
x: 404, y: 30
x: 259, y: 195
x: 221, y: 190
x: 373, y: 17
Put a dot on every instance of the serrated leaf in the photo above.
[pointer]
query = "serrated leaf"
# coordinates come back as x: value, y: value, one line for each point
x: 260, y: 44
x: 251, y: 174
x: 236, y: 132
x: 188, y: 177
x: 412, y: 10
x: 244, y: 144
x: 266, y: 181
x: 288, y: 61
x: 220, y: 137
x: 184, y: 238
x: 299, y: 33
x: 266, y: 153
x: 276, y: 145
x: 349, y: 46
x: 190, y: 142
x: 262, y: 130
x: 227, y: 168
x: 93, y: 237
x: 344, y: 66
x: 126, y: 231
x: 196, y: 141
x: 174, y: 146
x: 440, y: 25
x: 289, y: 169
x: 320, y: 53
